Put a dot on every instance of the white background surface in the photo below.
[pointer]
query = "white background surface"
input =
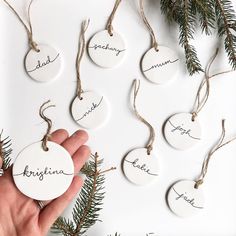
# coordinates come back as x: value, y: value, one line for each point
x: 128, y: 209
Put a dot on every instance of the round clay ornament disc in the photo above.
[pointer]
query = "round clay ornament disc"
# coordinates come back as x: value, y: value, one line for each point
x: 181, y: 132
x: 43, y: 175
x: 141, y: 168
x: 160, y: 66
x: 184, y: 199
x: 92, y: 111
x: 45, y: 65
x: 105, y: 50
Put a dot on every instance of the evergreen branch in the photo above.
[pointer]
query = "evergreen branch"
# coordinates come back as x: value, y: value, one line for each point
x: 205, y: 9
x: 226, y: 21
x: 186, y: 22
x: 5, y: 151
x: 86, y: 170
x: 184, y: 14
x: 171, y: 9
x: 209, y: 14
x: 86, y: 209
x: 66, y: 227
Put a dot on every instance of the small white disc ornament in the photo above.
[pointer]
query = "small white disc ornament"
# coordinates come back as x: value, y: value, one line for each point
x: 160, y: 66
x: 141, y: 168
x: 184, y: 199
x: 107, y: 50
x: 43, y: 175
x: 181, y: 132
x: 91, y: 111
x: 45, y: 65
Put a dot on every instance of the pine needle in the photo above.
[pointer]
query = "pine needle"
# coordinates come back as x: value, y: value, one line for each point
x: 5, y: 151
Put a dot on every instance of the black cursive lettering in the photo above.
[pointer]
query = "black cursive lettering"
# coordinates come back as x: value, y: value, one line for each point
x: 160, y: 65
x: 142, y: 167
x: 40, y: 174
x: 181, y: 130
x: 93, y: 107
x: 107, y: 47
x: 190, y: 201
x: 40, y: 64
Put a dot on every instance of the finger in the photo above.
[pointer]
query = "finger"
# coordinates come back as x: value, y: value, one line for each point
x: 80, y: 157
x: 59, y: 136
x: 52, y: 211
x: 75, y: 141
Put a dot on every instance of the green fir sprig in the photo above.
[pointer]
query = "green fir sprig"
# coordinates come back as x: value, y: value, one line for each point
x: 210, y: 15
x: 5, y: 151
x: 89, y: 203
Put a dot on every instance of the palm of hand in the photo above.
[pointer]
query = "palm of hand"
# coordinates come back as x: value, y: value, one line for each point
x: 20, y: 215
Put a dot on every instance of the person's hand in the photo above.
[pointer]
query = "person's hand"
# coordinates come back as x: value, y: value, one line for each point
x: 20, y: 215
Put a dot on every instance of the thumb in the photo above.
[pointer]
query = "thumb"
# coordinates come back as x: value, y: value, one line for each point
x: 53, y: 210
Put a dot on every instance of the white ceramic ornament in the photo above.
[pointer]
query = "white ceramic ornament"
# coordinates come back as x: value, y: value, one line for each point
x: 181, y: 132
x: 141, y: 168
x: 91, y: 111
x: 107, y: 50
x: 45, y: 65
x: 160, y: 66
x: 184, y: 199
x: 43, y: 175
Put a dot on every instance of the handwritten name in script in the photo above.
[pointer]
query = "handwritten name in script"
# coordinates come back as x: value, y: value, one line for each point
x: 143, y: 167
x: 40, y: 174
x: 41, y: 65
x: 91, y: 109
x: 190, y: 201
x: 159, y: 65
x: 107, y: 47
x: 181, y: 130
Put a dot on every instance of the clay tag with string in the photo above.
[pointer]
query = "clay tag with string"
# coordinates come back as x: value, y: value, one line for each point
x: 91, y: 111
x: 42, y: 62
x: 184, y: 199
x: 44, y: 170
x: 141, y: 168
x: 181, y: 132
x: 43, y: 175
x: 160, y: 66
x: 44, y: 65
x: 107, y: 50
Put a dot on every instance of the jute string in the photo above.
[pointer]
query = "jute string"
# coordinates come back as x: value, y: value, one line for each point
x: 150, y: 143
x: 200, y: 102
x: 47, y: 136
x: 81, y: 51
x: 109, y: 26
x: 154, y: 40
x: 33, y: 45
x: 206, y: 162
